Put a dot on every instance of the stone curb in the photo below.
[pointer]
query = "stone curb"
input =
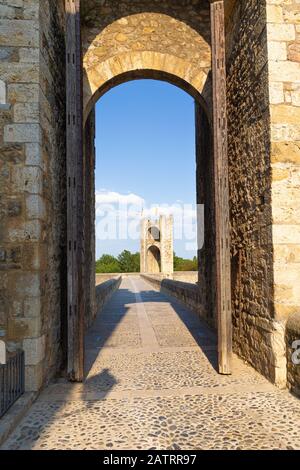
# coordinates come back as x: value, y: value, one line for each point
x: 15, y: 414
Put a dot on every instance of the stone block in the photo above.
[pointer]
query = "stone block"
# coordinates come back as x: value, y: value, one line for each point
x: 20, y: 328
x: 21, y: 232
x: 285, y: 114
x: 286, y: 234
x: 7, y: 11
x: 31, y: 10
x: 2, y: 92
x: 12, y: 153
x: 26, y: 113
x: 285, y: 152
x: 284, y: 311
x: 291, y: 12
x: 29, y: 54
x: 27, y: 284
x: 19, y: 33
x: 33, y: 152
x: 284, y: 71
x: 281, y: 32
x: 34, y: 376
x: 33, y: 230
x: 295, y: 95
x: 22, y: 133
x: 17, y: 309
x: 9, y: 54
x: 13, y: 72
x: 28, y: 178
x: 286, y: 254
x: 277, y: 50
x: 35, y: 207
x: 35, y: 256
x: 285, y: 132
x: 294, y: 52
x: 14, y: 208
x: 14, y: 3
x: 23, y: 93
x: 274, y: 14
x: 32, y: 307
x: 34, y: 349
x: 276, y: 93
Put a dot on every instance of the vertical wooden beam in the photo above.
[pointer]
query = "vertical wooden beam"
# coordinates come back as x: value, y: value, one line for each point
x: 75, y: 189
x: 221, y: 187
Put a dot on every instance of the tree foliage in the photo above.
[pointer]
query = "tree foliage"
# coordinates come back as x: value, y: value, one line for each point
x: 182, y: 264
x: 107, y: 264
x: 126, y: 262
x: 129, y: 262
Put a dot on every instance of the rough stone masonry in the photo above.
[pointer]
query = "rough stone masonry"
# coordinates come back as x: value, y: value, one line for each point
x: 171, y: 41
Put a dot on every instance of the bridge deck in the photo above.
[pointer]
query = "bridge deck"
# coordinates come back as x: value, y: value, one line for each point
x: 152, y: 384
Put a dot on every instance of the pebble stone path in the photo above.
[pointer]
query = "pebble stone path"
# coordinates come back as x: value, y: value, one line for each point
x: 151, y: 384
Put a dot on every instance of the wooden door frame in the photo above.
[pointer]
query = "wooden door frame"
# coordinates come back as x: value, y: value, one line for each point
x: 75, y: 190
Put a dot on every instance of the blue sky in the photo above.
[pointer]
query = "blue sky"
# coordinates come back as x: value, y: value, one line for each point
x: 145, y: 152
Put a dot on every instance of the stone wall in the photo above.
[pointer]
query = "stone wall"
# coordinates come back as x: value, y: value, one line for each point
x: 186, y: 276
x: 283, y: 27
x: 185, y: 292
x: 122, y: 41
x: 32, y: 158
x: 257, y: 337
x: 103, y: 277
x: 122, y: 37
x: 105, y: 290
x: 183, y: 276
x: 156, y: 245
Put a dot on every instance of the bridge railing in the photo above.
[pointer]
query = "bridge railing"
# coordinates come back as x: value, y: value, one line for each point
x: 12, y: 380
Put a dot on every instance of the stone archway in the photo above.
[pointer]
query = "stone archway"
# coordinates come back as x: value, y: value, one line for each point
x: 164, y: 44
x: 153, y: 260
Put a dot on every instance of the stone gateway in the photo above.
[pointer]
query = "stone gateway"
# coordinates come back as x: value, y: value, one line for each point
x: 240, y: 62
x: 157, y: 245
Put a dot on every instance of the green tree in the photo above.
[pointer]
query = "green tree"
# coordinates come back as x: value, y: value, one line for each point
x: 129, y: 262
x: 107, y: 264
x: 182, y: 264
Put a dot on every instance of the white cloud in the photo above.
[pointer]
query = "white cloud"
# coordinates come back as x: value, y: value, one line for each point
x: 118, y: 216
x: 111, y: 197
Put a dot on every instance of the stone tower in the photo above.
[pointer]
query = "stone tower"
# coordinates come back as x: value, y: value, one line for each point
x: 157, y: 245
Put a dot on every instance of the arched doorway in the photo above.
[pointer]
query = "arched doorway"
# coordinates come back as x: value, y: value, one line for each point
x: 153, y: 260
x: 123, y: 49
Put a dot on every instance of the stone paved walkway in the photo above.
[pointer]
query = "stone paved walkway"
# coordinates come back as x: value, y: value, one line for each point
x: 152, y: 384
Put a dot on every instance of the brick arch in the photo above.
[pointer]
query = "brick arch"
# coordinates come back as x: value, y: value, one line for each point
x: 149, y: 42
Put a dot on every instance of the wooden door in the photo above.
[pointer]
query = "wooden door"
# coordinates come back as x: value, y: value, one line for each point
x: 75, y: 192
x: 221, y: 190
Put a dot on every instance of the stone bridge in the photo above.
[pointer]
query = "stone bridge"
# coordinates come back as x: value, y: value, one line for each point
x: 152, y: 383
x: 240, y: 62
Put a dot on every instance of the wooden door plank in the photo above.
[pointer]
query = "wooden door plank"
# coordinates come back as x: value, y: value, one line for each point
x: 223, y: 282
x: 74, y: 190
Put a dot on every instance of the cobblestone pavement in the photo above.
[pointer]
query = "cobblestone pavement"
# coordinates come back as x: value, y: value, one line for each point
x: 152, y: 384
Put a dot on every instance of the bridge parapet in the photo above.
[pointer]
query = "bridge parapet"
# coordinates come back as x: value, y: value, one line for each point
x: 186, y: 292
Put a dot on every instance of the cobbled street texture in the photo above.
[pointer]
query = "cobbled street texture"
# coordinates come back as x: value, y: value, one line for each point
x: 152, y: 384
